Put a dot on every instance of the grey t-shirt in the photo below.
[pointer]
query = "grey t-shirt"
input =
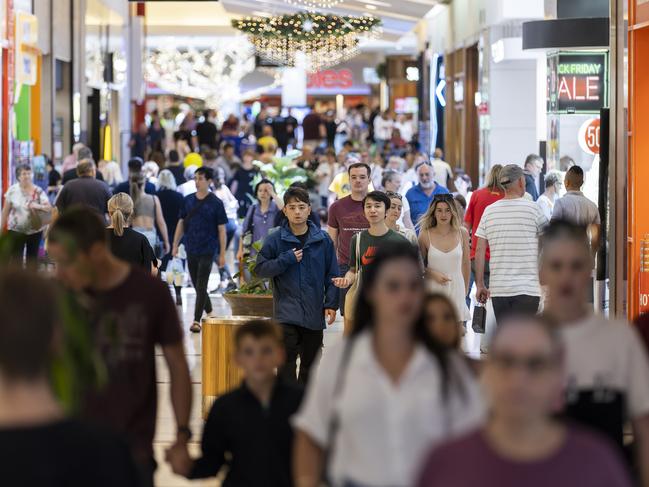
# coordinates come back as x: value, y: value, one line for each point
x: 84, y: 191
x: 576, y: 208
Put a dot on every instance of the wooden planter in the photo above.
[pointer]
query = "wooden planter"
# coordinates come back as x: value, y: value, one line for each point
x: 250, y: 304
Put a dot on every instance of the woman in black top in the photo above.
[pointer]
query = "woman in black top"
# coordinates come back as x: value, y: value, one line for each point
x: 125, y: 243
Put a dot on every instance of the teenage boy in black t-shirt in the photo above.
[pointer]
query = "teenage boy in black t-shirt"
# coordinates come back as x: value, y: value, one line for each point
x: 39, y: 445
x: 251, y: 423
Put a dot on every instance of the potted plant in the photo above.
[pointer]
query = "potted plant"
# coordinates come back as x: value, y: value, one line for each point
x: 254, y: 296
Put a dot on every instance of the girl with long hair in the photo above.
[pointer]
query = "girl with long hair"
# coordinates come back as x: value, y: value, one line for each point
x: 388, y: 392
x: 444, y: 245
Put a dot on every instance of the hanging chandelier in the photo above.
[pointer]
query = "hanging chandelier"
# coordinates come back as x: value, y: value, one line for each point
x: 324, y: 40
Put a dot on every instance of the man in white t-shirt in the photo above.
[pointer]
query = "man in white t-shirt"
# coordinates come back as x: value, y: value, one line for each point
x: 443, y: 171
x: 606, y: 363
x: 510, y: 227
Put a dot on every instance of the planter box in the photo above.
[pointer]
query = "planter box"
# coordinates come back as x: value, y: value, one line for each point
x: 250, y: 304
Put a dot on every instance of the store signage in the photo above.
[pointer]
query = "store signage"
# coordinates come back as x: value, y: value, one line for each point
x: 589, y: 136
x: 581, y: 83
x: 331, y: 78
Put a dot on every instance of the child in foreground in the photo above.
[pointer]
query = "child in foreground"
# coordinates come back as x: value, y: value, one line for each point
x: 248, y: 429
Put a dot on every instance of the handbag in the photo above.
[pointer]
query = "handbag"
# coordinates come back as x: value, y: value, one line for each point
x: 38, y: 218
x: 479, y: 320
x: 352, y: 294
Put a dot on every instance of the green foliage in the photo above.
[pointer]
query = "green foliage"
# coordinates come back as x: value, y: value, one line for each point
x: 256, y: 284
x: 282, y: 172
x: 78, y: 366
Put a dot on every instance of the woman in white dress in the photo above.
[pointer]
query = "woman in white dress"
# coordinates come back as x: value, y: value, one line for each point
x: 444, y: 245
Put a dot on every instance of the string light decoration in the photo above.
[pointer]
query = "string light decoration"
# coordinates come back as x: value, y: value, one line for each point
x: 325, y: 40
x: 213, y: 74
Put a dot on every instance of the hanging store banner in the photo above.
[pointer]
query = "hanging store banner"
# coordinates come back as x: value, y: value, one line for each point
x: 577, y: 82
x: 26, y: 49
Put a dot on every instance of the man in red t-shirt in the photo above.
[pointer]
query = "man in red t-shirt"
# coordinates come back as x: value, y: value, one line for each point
x: 130, y: 313
x: 346, y: 217
x: 479, y: 201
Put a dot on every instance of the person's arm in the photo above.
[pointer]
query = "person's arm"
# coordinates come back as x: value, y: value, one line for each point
x: 594, y: 232
x: 466, y: 259
x: 271, y: 263
x: 181, y: 388
x: 222, y: 245
x: 423, y: 246
x: 407, y: 221
x: 331, y: 292
x: 468, y: 215
x: 162, y: 225
x: 641, y: 435
x: 5, y: 215
x: 482, y: 293
x: 348, y: 279
x: 180, y: 231
x: 333, y: 234
x: 308, y: 461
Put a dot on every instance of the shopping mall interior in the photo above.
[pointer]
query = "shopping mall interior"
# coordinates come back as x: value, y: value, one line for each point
x: 241, y: 151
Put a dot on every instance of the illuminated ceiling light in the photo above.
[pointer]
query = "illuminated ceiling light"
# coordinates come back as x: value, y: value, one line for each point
x: 371, y: 7
x: 325, y: 40
x: 378, y: 3
x: 312, y: 5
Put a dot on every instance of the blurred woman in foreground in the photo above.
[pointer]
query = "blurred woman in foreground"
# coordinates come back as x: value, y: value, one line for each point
x: 386, y: 393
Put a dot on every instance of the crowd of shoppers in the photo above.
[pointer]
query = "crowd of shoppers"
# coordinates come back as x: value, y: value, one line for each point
x: 393, y: 403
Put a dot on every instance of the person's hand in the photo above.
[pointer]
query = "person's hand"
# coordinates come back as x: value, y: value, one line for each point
x: 438, y: 277
x: 178, y: 458
x: 239, y: 255
x: 222, y: 259
x: 330, y: 315
x: 482, y: 294
x: 166, y: 247
x: 298, y: 254
x: 174, y: 250
x: 341, y: 282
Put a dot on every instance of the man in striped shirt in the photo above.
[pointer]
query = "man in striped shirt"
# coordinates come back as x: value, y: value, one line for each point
x: 510, y: 227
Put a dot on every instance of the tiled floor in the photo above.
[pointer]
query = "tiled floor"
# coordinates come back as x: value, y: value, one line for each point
x: 166, y: 427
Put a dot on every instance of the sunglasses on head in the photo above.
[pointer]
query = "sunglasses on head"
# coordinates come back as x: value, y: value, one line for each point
x: 443, y: 197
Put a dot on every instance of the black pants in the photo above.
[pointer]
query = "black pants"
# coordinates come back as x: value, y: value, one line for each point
x: 302, y: 342
x: 200, y: 267
x: 518, y: 305
x: 27, y: 244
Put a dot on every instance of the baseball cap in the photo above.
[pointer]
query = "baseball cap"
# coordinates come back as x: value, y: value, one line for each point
x: 510, y: 173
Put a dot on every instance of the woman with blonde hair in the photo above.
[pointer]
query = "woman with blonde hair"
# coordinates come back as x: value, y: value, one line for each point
x: 126, y: 243
x: 444, y: 246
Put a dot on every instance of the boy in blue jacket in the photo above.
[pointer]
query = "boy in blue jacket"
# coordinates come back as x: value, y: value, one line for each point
x: 301, y: 260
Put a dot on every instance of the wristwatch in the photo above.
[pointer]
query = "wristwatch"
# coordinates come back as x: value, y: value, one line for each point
x: 184, y: 430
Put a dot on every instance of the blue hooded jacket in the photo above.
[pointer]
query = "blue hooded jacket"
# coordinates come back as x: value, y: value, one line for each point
x: 301, y: 290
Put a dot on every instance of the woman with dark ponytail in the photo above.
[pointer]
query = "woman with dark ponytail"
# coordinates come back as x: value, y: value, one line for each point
x: 387, y: 393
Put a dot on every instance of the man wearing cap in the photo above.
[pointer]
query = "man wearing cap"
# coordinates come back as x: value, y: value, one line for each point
x: 420, y: 196
x: 134, y: 170
x: 510, y: 227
